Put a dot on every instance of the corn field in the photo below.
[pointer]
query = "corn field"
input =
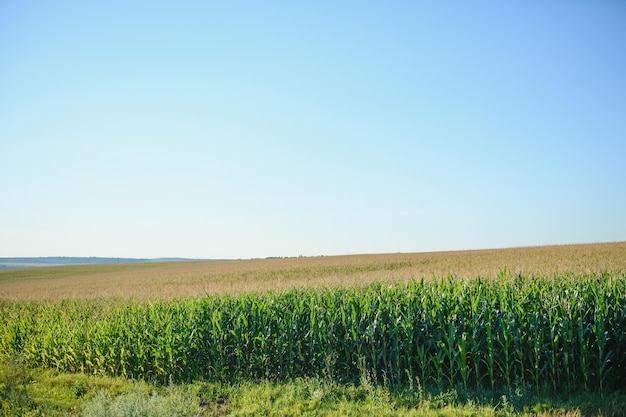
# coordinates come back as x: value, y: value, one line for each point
x: 563, y: 333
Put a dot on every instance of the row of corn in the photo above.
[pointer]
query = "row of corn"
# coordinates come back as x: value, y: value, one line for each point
x: 560, y: 333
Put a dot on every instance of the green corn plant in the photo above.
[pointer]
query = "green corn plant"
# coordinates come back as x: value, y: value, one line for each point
x: 566, y: 331
x: 490, y: 354
x: 463, y: 358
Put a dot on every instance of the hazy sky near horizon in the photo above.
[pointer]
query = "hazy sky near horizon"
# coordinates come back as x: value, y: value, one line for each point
x: 253, y: 129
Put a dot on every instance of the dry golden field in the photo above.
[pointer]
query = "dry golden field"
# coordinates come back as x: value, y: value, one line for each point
x: 170, y: 280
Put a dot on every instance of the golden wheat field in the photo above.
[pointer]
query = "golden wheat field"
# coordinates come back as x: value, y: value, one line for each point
x: 169, y: 280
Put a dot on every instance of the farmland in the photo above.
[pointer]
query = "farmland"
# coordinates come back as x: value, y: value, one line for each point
x: 526, y: 322
x: 172, y: 280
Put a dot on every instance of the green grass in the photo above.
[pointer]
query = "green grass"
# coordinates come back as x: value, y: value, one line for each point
x: 54, y: 394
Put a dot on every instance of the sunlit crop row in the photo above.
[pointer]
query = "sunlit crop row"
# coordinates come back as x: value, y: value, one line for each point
x: 561, y: 333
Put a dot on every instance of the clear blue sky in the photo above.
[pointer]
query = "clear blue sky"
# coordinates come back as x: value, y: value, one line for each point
x: 252, y: 129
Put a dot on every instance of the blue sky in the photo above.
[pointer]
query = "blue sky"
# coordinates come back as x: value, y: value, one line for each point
x: 253, y: 129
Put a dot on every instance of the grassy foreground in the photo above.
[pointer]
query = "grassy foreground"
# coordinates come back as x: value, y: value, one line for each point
x: 37, y: 392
